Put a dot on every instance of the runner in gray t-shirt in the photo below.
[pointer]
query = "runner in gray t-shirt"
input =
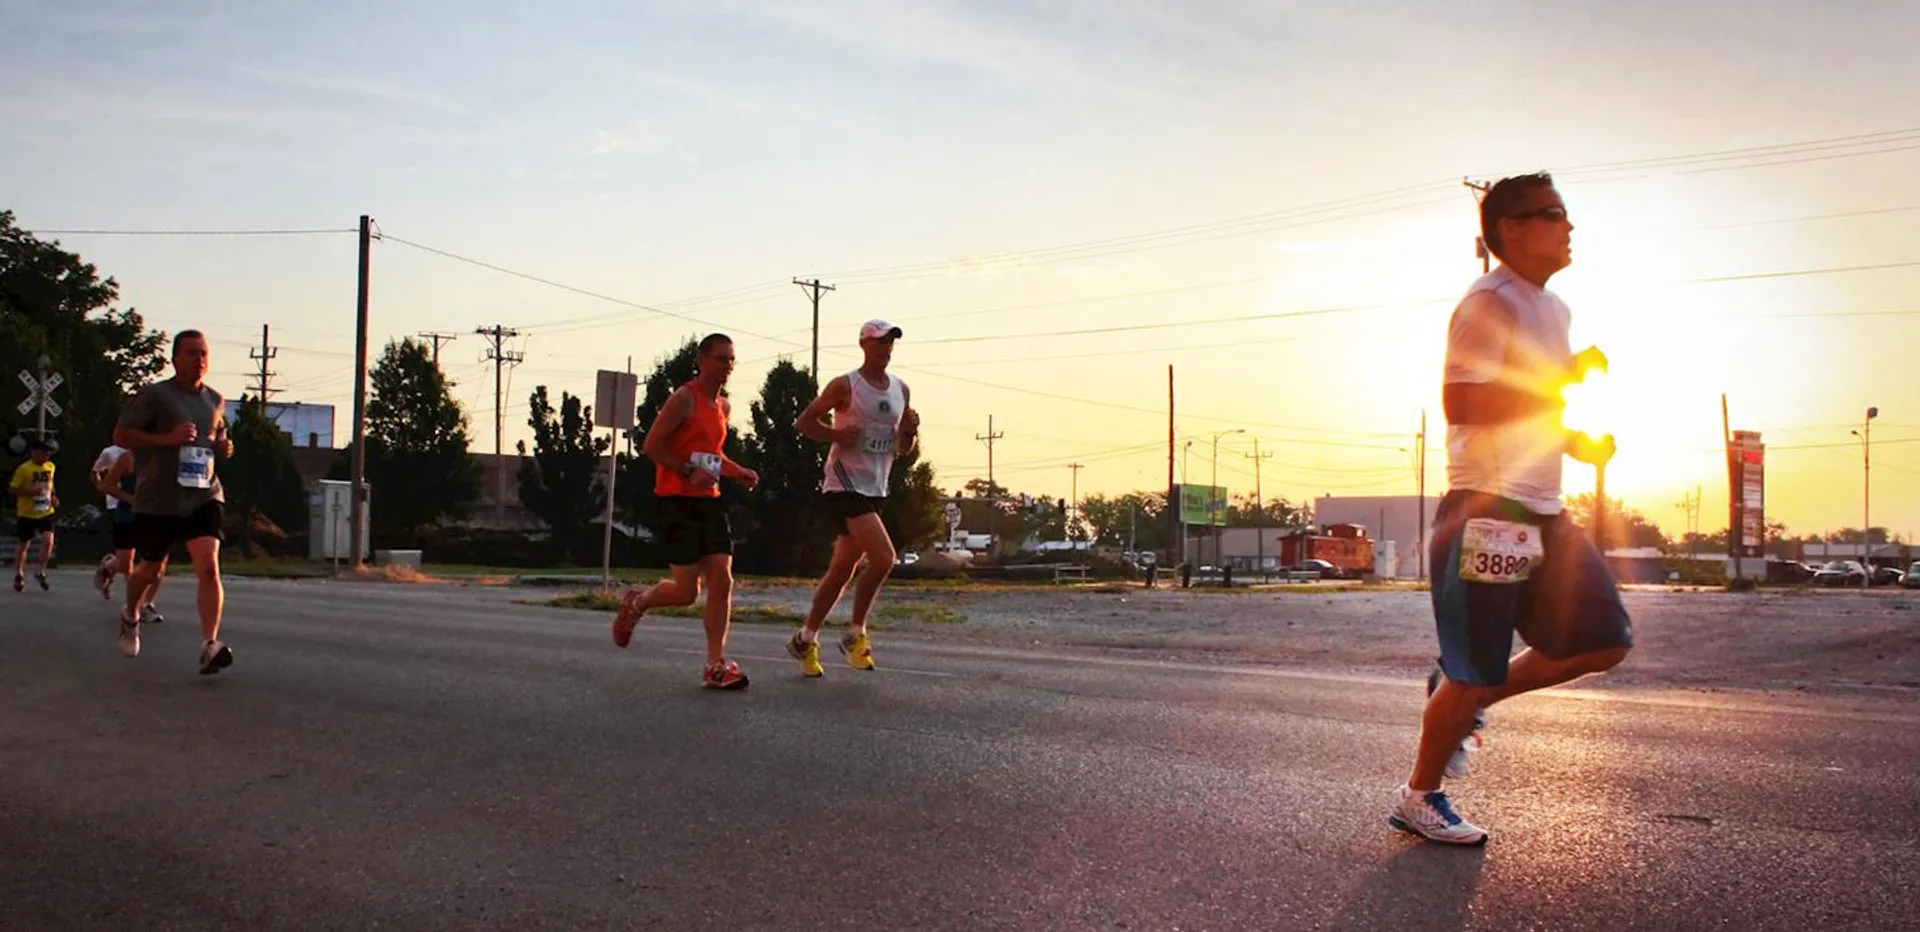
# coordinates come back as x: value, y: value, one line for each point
x: 177, y: 431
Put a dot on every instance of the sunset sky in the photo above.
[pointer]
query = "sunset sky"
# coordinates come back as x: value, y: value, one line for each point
x: 1054, y: 200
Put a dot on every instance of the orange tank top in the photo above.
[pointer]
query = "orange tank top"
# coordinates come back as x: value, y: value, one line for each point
x: 699, y: 441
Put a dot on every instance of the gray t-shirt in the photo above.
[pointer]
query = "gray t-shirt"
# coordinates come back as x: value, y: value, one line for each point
x: 175, y: 480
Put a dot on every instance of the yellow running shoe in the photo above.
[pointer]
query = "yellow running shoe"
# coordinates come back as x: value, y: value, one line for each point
x: 808, y: 653
x: 859, y: 651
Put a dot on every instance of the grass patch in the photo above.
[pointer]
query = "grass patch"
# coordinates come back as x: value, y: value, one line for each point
x: 753, y: 614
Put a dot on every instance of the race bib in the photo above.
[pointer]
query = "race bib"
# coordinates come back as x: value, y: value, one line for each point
x: 42, y: 498
x: 196, y: 468
x: 1499, y: 552
x: 707, y: 461
x: 877, y: 439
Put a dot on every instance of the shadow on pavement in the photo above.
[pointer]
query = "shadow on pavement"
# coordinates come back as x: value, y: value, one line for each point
x: 1423, y: 887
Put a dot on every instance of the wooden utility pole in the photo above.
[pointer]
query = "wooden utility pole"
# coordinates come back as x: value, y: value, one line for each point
x: 263, y: 387
x: 501, y: 358
x: 814, y: 289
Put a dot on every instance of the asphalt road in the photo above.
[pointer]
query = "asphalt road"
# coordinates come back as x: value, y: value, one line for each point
x: 392, y: 757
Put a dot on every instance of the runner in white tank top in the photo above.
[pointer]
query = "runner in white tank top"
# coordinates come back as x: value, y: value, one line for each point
x: 873, y: 422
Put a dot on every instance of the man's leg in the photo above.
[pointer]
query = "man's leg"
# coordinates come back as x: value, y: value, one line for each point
x: 211, y: 593
x: 846, y: 556
x: 46, y: 553
x: 681, y: 587
x: 1446, y: 723
x: 869, y: 533
x: 143, y: 575
x: 716, y: 570
x: 1533, y: 670
x: 20, y: 558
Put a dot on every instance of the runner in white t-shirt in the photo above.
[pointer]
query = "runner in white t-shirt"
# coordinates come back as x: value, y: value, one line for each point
x: 873, y: 422
x: 1506, y: 558
x: 113, y: 475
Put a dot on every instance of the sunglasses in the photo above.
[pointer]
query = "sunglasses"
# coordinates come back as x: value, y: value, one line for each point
x: 1549, y: 214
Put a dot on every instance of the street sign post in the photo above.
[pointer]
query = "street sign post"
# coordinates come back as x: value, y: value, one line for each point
x: 613, y: 395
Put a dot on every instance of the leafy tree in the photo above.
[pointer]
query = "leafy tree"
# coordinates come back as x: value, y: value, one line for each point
x: 261, y: 480
x: 54, y: 304
x: 1139, y: 517
x: 913, y: 514
x: 787, y: 531
x: 1625, y: 527
x: 1277, y: 512
x: 417, y: 440
x: 559, y: 484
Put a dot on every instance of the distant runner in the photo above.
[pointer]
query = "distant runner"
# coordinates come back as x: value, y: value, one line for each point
x: 687, y: 445
x: 873, y: 422
x: 177, y: 430
x: 113, y: 475
x: 1506, y: 557
x: 34, y: 503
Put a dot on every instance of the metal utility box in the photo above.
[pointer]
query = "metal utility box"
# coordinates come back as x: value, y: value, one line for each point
x: 330, y: 523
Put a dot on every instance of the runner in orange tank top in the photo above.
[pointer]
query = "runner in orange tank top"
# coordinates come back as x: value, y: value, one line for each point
x: 687, y: 445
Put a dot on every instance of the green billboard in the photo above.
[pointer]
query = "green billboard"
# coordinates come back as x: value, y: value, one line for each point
x: 1203, y: 504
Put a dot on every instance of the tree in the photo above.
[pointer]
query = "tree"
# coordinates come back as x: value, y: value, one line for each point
x: 1625, y: 527
x: 1136, y: 518
x: 417, y: 462
x: 913, y: 515
x: 786, y: 530
x: 559, y: 483
x: 261, y: 480
x: 54, y: 304
x: 1277, y: 512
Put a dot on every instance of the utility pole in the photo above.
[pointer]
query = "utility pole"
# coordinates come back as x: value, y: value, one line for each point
x: 1073, y: 503
x: 1865, y: 433
x: 263, y: 387
x: 813, y: 289
x: 438, y: 338
x: 1260, y: 508
x: 993, y: 491
x: 501, y: 359
x: 1480, y: 189
x: 1173, y: 491
x: 1422, y: 446
x: 1690, y: 506
x: 356, y: 505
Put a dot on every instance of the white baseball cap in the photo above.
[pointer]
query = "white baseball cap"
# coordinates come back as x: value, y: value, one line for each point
x: 876, y: 329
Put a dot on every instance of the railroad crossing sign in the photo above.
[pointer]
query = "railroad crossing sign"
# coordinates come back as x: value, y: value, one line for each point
x: 40, y: 393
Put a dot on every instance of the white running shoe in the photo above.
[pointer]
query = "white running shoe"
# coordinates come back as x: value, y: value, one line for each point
x: 150, y: 615
x: 1431, y: 816
x: 129, y: 639
x: 214, y: 657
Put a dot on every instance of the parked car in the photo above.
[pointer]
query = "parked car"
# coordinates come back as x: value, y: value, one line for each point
x: 1887, y: 576
x: 1788, y: 571
x: 1321, y: 568
x: 1912, y: 579
x: 1841, y: 573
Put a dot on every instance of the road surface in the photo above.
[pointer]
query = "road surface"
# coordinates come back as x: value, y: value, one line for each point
x: 417, y: 757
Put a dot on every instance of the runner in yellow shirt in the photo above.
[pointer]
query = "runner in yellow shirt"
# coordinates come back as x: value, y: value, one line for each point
x: 33, y: 506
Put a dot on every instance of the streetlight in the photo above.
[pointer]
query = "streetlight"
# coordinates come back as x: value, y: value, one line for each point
x: 1865, y: 433
x: 1213, y: 501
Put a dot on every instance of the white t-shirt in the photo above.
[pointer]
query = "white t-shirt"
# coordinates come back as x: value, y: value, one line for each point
x: 1511, y: 332
x: 105, y: 461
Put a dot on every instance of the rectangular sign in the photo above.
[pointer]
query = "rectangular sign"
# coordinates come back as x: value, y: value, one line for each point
x: 613, y: 399
x: 1748, y: 500
x: 1201, y: 504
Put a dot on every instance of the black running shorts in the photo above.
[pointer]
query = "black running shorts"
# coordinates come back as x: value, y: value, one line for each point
x: 155, y: 535
x: 691, y: 528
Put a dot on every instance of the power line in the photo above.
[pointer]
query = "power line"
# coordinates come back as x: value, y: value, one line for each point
x: 190, y: 232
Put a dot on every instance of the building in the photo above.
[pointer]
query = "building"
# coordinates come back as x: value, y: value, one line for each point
x: 310, y: 425
x: 1394, y: 519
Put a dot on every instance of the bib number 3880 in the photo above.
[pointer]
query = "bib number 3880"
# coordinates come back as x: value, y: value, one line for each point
x: 1499, y: 552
